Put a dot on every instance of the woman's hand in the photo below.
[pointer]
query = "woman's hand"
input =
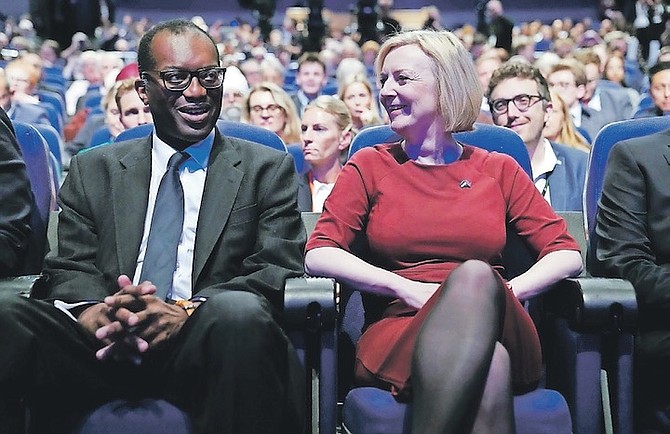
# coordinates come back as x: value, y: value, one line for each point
x: 416, y: 294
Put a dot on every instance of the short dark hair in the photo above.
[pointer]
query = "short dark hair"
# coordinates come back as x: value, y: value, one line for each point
x: 145, y: 58
x: 519, y: 70
x: 660, y: 66
x: 310, y: 57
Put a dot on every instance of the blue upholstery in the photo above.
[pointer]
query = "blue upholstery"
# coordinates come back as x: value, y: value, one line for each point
x: 148, y: 416
x: 100, y: 137
x: 251, y: 132
x: 54, y: 99
x: 54, y: 141
x: 227, y: 128
x: 135, y: 132
x: 485, y: 136
x: 295, y: 149
x: 602, y: 144
x: 36, y: 155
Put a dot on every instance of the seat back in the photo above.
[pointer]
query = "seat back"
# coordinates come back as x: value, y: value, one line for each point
x: 602, y: 144
x: 238, y: 130
x: 252, y: 133
x: 100, y: 136
x: 36, y: 156
x: 54, y: 141
x: 485, y: 136
x: 135, y: 132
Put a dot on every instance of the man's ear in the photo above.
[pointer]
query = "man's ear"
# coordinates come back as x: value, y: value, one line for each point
x: 140, y: 87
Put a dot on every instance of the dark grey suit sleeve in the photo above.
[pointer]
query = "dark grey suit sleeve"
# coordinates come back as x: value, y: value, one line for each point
x: 624, y: 248
x: 15, y: 200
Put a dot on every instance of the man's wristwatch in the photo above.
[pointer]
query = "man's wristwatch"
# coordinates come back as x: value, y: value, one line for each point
x: 187, y: 305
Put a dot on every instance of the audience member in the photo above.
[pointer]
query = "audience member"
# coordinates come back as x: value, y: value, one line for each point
x: 270, y: 107
x: 326, y: 133
x: 133, y: 111
x: 228, y: 365
x: 485, y: 64
x: 89, y: 76
x: 520, y: 100
x: 18, y: 110
x: 632, y: 229
x: 560, y: 128
x: 612, y: 100
x: 272, y: 70
x: 426, y: 268
x: 251, y: 68
x: 358, y: 97
x: 568, y: 78
x: 311, y: 78
x: 659, y: 88
x: 497, y: 27
x: 235, y: 90
x: 16, y: 199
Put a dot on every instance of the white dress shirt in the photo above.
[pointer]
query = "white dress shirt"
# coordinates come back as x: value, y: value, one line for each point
x: 192, y: 175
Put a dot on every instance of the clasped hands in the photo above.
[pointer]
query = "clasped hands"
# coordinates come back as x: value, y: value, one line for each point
x: 131, y: 321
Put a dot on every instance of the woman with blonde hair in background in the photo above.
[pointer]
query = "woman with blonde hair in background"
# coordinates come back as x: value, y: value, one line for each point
x: 356, y: 92
x: 559, y: 127
x: 269, y: 106
x: 327, y: 132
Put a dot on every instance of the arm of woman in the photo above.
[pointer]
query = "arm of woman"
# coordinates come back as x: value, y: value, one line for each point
x: 349, y: 269
x: 551, y: 268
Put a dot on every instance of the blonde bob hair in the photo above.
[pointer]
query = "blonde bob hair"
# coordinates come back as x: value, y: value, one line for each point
x: 291, y: 131
x: 458, y: 90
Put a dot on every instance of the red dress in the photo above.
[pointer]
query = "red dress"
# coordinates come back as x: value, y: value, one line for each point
x: 421, y: 222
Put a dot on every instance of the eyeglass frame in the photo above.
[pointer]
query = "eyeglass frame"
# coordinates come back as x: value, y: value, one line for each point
x: 272, y: 109
x: 192, y: 73
x: 508, y: 100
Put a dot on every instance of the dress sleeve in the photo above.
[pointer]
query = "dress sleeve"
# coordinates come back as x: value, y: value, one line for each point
x: 530, y: 214
x: 346, y: 209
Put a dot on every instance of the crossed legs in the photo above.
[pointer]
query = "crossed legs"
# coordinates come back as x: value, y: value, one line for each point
x: 461, y: 377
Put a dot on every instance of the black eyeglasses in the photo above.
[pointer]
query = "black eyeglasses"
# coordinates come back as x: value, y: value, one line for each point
x: 210, y: 77
x: 523, y: 102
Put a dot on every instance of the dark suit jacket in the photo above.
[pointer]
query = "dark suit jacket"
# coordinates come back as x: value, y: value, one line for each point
x: 615, y: 106
x: 633, y: 223
x: 15, y: 201
x: 566, y: 182
x: 249, y: 235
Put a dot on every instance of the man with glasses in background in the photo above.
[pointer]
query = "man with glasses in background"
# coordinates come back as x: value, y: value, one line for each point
x: 168, y: 282
x: 519, y: 99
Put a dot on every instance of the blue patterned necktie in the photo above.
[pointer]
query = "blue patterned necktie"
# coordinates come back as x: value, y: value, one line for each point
x: 160, y: 258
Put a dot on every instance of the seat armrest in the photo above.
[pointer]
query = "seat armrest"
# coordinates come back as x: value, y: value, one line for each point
x: 311, y: 302
x: 594, y: 304
x: 23, y: 285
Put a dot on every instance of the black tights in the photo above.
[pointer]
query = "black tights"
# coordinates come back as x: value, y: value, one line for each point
x: 460, y: 373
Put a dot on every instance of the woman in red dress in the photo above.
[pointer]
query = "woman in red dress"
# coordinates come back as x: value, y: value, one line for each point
x: 419, y: 226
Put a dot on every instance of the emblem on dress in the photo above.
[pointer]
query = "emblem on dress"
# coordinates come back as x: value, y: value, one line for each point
x: 465, y: 184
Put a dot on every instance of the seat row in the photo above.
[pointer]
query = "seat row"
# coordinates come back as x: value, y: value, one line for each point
x: 586, y: 324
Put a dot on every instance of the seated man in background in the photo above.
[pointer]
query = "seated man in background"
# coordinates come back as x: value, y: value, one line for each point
x: 659, y: 88
x: 132, y: 110
x: 15, y: 201
x: 633, y: 243
x: 519, y: 98
x: 169, y: 279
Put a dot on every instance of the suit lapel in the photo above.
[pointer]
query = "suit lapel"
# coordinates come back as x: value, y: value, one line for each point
x: 130, y: 195
x: 221, y: 187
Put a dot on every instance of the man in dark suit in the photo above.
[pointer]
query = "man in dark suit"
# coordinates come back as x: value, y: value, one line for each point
x: 520, y: 100
x: 207, y: 339
x: 633, y: 243
x: 15, y: 201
